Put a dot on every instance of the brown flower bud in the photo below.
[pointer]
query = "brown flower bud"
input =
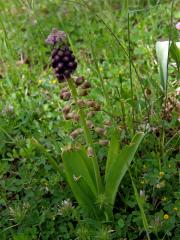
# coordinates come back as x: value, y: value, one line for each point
x: 103, y: 142
x: 75, y: 117
x: 91, y: 114
x: 79, y: 80
x: 66, y: 109
x: 90, y: 152
x: 107, y: 123
x: 90, y: 103
x: 89, y: 124
x: 63, y: 90
x: 83, y: 92
x: 86, y: 85
x: 66, y: 96
x: 68, y: 116
x: 147, y: 92
x: 100, y: 131
x: 97, y: 107
x: 80, y: 102
x: 76, y: 133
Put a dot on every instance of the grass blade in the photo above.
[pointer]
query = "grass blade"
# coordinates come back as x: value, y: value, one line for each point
x: 139, y: 202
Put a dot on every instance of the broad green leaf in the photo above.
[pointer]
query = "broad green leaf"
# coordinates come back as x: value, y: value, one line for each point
x: 88, y: 163
x: 79, y: 178
x: 119, y: 167
x: 113, y: 151
x: 162, y: 51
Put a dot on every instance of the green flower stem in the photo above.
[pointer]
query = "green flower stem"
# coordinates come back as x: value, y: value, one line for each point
x: 87, y: 135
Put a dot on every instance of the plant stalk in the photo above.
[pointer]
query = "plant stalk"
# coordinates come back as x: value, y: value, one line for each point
x: 87, y: 135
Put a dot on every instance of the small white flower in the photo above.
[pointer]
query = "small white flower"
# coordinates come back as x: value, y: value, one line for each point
x: 66, y: 206
x: 88, y: 70
x: 76, y: 178
x: 142, y: 193
x: 178, y: 91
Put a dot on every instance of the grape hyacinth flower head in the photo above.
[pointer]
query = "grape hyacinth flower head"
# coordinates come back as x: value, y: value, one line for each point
x: 62, y: 59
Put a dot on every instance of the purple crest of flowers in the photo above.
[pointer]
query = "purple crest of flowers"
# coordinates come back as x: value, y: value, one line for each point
x: 56, y: 36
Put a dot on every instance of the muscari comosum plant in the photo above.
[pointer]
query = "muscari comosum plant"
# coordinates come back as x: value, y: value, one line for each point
x: 95, y: 193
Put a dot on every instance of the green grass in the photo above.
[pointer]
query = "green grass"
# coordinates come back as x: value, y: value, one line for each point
x: 114, y: 42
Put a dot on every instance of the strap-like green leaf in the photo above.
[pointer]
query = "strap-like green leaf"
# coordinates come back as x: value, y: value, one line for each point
x: 113, y: 151
x: 119, y: 167
x: 79, y: 178
x: 88, y: 161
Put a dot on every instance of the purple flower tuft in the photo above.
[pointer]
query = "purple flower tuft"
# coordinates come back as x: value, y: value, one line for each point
x: 56, y: 36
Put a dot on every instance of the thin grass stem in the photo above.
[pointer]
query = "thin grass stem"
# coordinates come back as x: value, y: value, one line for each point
x: 130, y: 74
